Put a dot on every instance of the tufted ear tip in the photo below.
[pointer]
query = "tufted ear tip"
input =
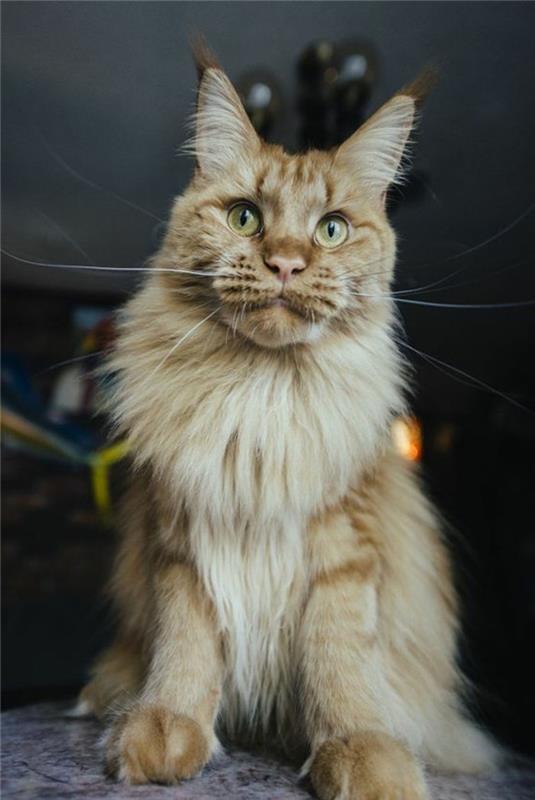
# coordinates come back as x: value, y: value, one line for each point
x: 377, y: 152
x: 420, y: 88
x: 223, y: 135
x: 203, y: 55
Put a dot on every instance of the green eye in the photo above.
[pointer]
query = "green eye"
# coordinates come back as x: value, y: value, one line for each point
x: 332, y: 230
x: 244, y: 219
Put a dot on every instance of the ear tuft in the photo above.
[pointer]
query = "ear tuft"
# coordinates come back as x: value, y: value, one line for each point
x: 377, y: 153
x: 224, y: 138
x: 422, y: 86
x: 203, y: 55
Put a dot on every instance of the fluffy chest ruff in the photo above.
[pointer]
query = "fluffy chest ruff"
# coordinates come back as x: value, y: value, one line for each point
x: 252, y: 444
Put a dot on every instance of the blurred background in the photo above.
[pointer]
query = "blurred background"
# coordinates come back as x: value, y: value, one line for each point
x: 95, y: 98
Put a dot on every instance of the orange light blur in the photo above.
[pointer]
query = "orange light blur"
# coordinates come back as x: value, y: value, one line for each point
x: 407, y: 437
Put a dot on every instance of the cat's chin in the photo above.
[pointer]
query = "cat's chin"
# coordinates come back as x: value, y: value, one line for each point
x: 275, y: 326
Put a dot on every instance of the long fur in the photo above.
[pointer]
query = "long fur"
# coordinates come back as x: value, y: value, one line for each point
x: 280, y: 571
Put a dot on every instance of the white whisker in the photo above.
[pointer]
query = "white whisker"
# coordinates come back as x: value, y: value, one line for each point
x: 92, y: 184
x: 180, y: 341
x: 65, y: 235
x: 477, y: 382
x: 513, y: 304
x: 440, y: 281
x: 475, y: 279
x: 97, y: 268
x: 73, y: 360
x: 473, y: 249
x: 482, y: 306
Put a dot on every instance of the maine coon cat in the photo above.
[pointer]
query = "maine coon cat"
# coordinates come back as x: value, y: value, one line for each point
x: 281, y: 573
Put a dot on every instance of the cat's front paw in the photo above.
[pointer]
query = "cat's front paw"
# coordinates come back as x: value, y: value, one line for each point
x: 152, y: 744
x: 366, y: 766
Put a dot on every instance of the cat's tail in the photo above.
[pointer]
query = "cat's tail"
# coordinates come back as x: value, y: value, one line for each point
x: 457, y: 744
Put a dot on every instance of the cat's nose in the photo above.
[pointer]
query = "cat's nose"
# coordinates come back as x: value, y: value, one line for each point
x: 285, y: 268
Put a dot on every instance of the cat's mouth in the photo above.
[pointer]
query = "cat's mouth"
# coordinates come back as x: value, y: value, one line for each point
x: 280, y: 302
x: 272, y: 322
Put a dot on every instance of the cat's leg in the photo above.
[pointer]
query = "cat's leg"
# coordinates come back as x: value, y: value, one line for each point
x: 116, y: 678
x: 345, y: 696
x: 168, y: 733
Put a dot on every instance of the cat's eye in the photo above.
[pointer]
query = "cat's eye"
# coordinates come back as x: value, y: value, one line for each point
x: 331, y: 231
x: 244, y: 219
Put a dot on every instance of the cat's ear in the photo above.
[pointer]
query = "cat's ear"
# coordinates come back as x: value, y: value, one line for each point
x: 223, y: 134
x: 376, y: 154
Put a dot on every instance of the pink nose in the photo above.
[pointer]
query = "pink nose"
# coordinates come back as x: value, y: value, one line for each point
x: 285, y: 268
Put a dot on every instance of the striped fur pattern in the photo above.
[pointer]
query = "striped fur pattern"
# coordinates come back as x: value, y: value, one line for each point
x: 280, y: 572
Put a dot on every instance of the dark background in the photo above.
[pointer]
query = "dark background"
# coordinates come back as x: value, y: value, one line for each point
x: 95, y: 98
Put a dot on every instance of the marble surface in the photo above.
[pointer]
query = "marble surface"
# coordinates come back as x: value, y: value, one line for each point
x: 46, y: 754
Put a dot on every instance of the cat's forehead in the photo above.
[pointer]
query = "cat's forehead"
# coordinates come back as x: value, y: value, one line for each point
x: 304, y: 178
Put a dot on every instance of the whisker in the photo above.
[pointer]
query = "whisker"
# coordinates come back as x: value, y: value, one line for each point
x: 51, y: 265
x: 234, y: 325
x: 65, y: 235
x: 514, y: 304
x: 448, y: 259
x: 180, y: 341
x: 72, y: 361
x: 506, y: 268
x: 355, y: 270
x: 76, y: 359
x: 475, y: 382
x: 92, y: 184
x: 470, y: 250
x: 482, y: 306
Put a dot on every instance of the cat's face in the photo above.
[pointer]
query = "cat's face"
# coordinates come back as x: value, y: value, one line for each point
x: 295, y: 246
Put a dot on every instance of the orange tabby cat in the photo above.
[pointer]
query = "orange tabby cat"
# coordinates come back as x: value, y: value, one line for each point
x: 280, y: 572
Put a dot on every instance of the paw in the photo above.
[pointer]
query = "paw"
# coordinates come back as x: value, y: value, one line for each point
x: 366, y: 766
x: 151, y: 744
x: 93, y: 700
